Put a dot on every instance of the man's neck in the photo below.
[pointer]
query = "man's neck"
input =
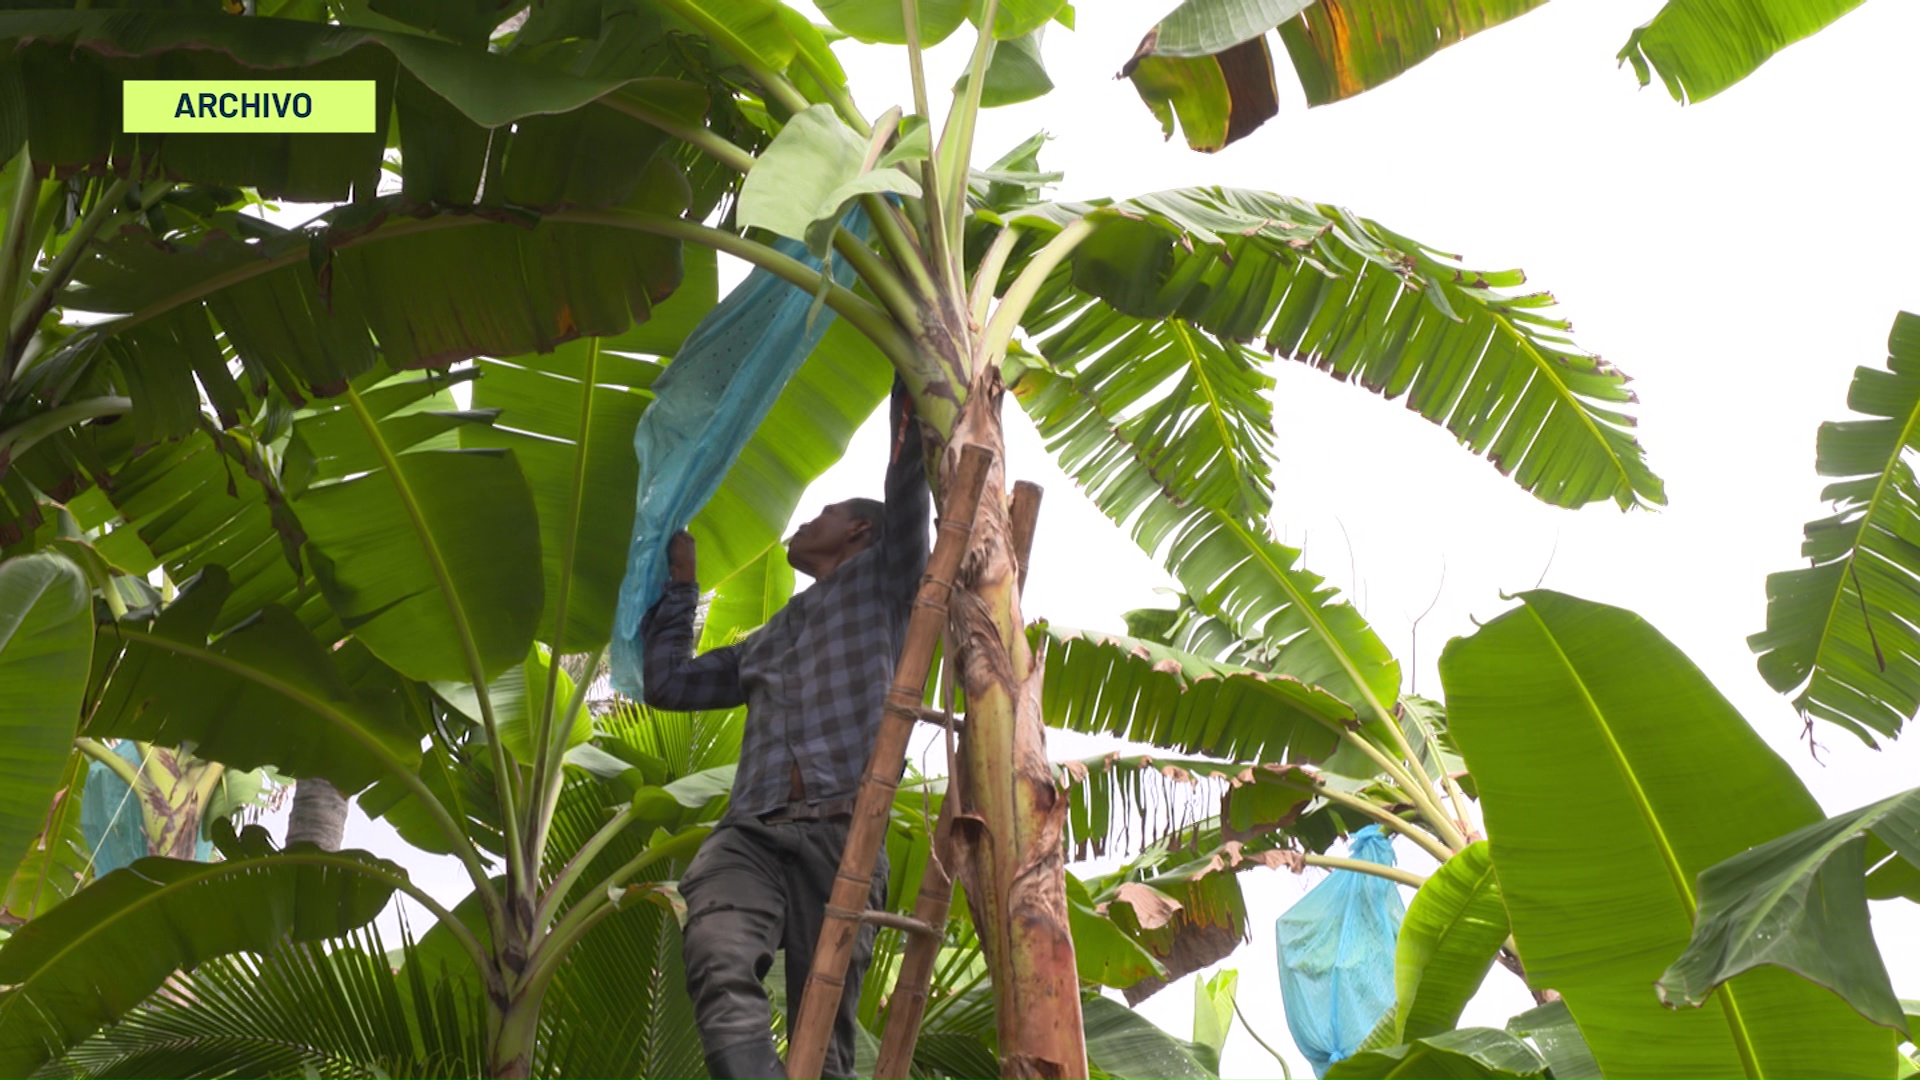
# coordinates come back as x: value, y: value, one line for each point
x: 824, y: 569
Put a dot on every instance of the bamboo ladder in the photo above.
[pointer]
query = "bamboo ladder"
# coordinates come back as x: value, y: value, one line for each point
x: 846, y: 908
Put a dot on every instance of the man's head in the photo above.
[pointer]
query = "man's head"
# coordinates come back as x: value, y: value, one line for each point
x: 841, y: 531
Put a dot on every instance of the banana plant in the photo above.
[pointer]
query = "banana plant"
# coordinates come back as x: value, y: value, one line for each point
x: 616, y: 1008
x: 237, y: 645
x: 388, y: 553
x: 1585, y: 730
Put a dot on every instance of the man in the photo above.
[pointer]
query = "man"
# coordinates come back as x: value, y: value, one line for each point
x: 814, y: 680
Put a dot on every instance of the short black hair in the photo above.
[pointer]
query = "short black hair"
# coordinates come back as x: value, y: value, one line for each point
x: 871, y: 511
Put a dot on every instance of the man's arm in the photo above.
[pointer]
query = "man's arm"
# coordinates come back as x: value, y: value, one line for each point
x: 908, y: 500
x: 675, y: 678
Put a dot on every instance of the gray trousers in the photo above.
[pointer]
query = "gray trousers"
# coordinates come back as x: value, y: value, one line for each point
x: 753, y: 888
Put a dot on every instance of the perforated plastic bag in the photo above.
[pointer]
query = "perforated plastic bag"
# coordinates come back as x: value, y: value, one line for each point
x: 706, y: 405
x: 1335, y: 947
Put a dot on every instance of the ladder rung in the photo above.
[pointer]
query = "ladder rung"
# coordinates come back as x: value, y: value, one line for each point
x: 898, y: 922
x: 939, y: 718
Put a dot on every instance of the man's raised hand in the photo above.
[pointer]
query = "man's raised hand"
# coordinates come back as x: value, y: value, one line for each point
x: 680, y: 557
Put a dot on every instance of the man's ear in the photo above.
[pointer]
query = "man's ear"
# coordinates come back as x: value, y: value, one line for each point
x: 860, y: 531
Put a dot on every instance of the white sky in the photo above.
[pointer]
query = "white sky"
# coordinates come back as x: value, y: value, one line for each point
x: 1738, y: 258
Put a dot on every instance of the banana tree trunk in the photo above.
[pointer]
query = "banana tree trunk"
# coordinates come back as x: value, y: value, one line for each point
x: 1008, y: 834
x: 512, y: 1028
x: 511, y: 1065
x: 319, y: 814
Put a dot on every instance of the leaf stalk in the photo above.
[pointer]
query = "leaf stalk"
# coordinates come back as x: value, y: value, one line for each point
x: 1391, y: 873
x: 546, y: 766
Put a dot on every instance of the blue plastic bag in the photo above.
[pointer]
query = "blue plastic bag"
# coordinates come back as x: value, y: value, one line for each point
x: 1336, y: 948
x: 706, y: 405
x: 110, y: 818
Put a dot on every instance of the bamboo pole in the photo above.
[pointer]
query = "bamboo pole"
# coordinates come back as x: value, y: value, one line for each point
x: 1025, y: 515
x: 908, y: 1005
x: 820, y: 1000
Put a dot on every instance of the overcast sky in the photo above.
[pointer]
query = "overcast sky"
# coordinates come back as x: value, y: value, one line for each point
x: 1738, y: 258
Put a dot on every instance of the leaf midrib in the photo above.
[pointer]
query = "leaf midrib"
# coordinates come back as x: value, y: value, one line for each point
x: 436, y: 558
x: 1880, y: 488
x: 1729, y: 1005
x: 1318, y: 625
x: 1564, y: 392
x: 576, y: 507
x: 323, y: 709
x: 1183, y: 335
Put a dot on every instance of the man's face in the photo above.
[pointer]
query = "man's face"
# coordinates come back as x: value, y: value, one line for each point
x: 825, y: 539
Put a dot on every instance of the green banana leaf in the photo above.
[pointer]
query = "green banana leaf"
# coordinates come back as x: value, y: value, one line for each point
x: 1800, y: 902
x: 1254, y: 587
x: 1168, y: 799
x: 1555, y: 1035
x: 1213, y: 1013
x: 1017, y: 73
x: 1841, y: 630
x: 763, y: 33
x: 1611, y: 773
x: 56, y: 860
x: 1701, y: 47
x: 305, y: 308
x: 1215, y: 98
x: 1149, y: 693
x: 937, y: 20
x: 194, y: 506
x: 1347, y: 48
x: 68, y: 65
x: 518, y: 696
x: 433, y: 558
x: 884, y: 21
x: 568, y: 419
x: 88, y: 962
x: 46, y: 650
x: 1215, y: 52
x: 1104, y: 954
x: 804, y: 180
x: 172, y: 685
x: 1318, y: 284
x: 1122, y: 1043
x: 1193, y: 467
x: 1467, y: 1054
x: 1192, y: 411
x: 1452, y: 931
x: 747, y: 600
x: 1424, y: 722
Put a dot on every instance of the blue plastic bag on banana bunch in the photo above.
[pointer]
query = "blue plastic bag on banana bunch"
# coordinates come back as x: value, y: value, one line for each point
x: 706, y: 405
x: 1336, y: 948
x: 111, y: 818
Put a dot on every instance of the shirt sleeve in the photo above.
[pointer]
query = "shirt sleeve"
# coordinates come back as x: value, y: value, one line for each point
x: 675, y: 678
x: 908, y: 501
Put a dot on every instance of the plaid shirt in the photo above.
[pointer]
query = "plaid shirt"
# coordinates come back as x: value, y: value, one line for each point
x: 815, y: 677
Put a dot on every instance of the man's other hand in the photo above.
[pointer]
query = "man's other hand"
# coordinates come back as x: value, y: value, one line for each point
x: 680, y: 557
